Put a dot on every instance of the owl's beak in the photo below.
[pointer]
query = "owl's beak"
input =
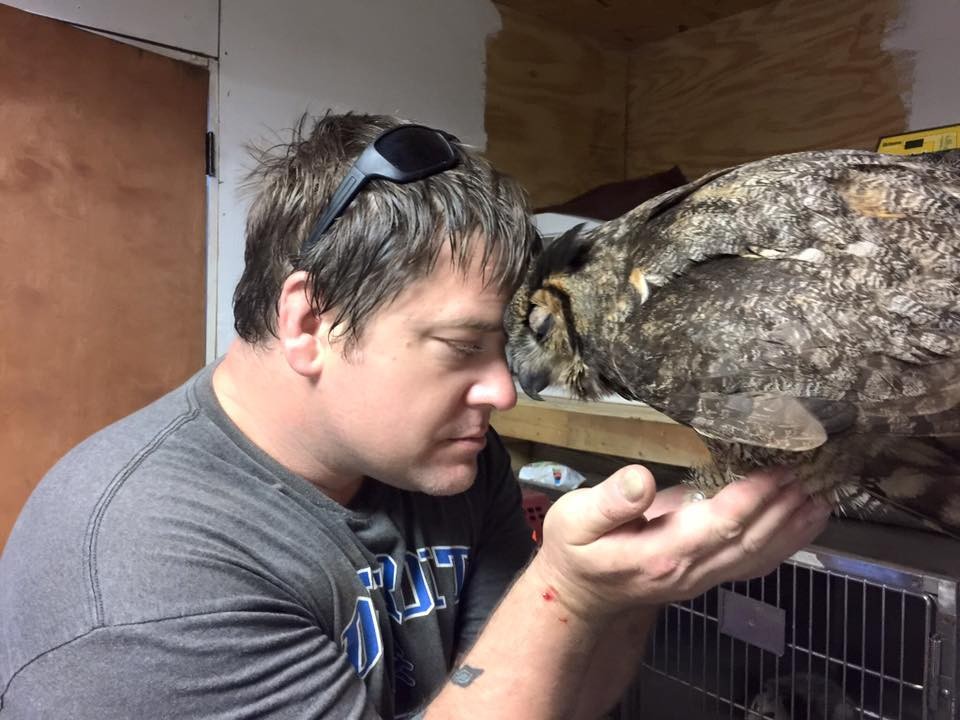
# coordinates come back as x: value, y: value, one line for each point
x: 533, y: 382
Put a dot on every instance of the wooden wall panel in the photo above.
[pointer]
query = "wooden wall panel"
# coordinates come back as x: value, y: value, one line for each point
x: 102, y: 195
x: 795, y: 75
x: 625, y: 23
x: 555, y: 111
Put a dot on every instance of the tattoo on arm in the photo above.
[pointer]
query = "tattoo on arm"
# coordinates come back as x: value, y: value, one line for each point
x: 464, y: 675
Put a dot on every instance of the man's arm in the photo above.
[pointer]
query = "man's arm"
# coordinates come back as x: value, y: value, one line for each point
x: 615, y: 662
x: 528, y: 662
x: 540, y: 654
x: 272, y: 662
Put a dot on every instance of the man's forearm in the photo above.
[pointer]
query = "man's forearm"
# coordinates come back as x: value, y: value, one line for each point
x: 530, y: 661
x: 615, y: 662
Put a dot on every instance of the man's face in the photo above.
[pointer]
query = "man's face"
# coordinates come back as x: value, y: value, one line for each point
x: 410, y: 405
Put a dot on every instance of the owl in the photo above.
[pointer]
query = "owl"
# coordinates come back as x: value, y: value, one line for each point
x: 801, y: 310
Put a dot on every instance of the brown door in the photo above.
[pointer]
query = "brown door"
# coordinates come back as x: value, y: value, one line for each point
x: 102, y: 232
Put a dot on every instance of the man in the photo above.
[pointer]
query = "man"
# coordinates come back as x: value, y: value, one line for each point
x: 319, y: 525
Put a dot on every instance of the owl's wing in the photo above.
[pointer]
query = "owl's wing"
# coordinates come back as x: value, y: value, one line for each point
x: 787, y: 418
x: 773, y: 420
x: 764, y: 352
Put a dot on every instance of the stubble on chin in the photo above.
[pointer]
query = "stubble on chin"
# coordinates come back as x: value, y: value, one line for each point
x: 445, y: 481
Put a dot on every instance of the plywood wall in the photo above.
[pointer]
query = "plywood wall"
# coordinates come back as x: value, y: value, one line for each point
x: 556, y: 108
x: 102, y: 179
x: 626, y: 23
x: 794, y: 75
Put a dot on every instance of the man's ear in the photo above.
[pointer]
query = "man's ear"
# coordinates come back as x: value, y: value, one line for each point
x: 303, y: 335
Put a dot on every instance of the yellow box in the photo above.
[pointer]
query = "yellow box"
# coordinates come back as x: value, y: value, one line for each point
x: 946, y: 137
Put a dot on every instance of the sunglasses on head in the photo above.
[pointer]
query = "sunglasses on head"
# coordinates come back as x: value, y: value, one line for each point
x: 401, y: 155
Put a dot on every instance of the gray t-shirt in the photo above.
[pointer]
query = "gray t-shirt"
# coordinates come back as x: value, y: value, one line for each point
x: 168, y: 568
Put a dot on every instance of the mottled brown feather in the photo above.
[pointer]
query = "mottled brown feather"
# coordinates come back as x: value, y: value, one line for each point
x: 801, y: 310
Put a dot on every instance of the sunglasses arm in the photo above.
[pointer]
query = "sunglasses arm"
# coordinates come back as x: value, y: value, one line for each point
x: 345, y: 193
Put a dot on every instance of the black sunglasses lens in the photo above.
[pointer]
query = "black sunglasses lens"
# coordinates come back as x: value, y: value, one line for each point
x: 415, y: 149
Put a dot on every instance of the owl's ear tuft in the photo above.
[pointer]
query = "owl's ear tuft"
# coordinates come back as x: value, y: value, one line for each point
x: 541, y: 322
x: 564, y: 255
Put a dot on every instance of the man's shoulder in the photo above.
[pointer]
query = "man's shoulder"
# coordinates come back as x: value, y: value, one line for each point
x: 77, y: 486
x: 153, y: 518
x: 135, y: 435
x: 46, y: 565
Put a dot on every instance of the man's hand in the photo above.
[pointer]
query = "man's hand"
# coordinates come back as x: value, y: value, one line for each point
x: 601, y: 554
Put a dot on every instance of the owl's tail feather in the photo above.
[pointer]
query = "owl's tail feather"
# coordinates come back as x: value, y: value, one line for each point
x: 862, y: 504
x: 919, y: 478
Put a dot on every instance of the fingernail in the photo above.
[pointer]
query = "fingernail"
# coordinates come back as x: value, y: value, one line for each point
x: 633, y: 484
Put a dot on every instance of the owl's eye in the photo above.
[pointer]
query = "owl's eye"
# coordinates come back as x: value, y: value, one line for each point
x: 541, y: 322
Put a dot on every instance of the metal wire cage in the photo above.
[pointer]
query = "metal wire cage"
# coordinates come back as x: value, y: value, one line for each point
x: 861, y: 625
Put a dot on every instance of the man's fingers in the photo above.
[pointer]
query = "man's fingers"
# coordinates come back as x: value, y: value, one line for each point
x: 739, y: 518
x: 594, y: 512
x: 741, y: 501
x: 804, y: 526
x: 670, y: 499
x: 702, y: 528
x: 797, y: 531
x: 772, y: 517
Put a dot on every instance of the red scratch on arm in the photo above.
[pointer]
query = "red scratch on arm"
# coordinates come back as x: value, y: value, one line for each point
x: 549, y: 595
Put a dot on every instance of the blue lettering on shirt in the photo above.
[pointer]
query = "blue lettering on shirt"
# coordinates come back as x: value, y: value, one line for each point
x: 423, y: 602
x: 361, y: 638
x: 409, y: 591
x: 453, y: 556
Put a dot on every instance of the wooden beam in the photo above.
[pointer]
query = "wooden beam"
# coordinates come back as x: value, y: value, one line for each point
x: 630, y: 431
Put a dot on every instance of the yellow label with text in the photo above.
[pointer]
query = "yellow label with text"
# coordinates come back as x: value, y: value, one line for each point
x: 921, y: 141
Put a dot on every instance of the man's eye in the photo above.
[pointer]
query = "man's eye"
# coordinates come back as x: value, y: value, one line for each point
x: 462, y: 347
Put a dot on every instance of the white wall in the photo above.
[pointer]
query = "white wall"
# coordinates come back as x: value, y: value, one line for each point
x: 186, y: 24
x: 422, y: 59
x: 930, y: 31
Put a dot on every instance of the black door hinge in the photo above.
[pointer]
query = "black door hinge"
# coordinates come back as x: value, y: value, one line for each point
x: 211, y: 152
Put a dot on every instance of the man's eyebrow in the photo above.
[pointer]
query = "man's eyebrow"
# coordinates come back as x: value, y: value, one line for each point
x: 474, y: 324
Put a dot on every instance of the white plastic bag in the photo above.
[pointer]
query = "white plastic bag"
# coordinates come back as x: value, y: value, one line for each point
x: 552, y: 475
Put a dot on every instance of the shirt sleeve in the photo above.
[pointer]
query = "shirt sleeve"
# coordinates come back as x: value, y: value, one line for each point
x: 505, y: 547
x: 223, y: 665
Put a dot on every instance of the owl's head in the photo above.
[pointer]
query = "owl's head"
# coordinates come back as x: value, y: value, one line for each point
x: 544, y: 341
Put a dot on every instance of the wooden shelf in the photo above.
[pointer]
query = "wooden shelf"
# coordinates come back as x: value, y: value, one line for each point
x: 637, y: 432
